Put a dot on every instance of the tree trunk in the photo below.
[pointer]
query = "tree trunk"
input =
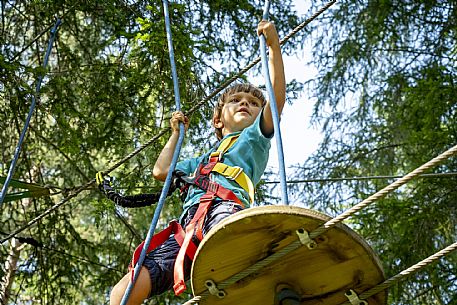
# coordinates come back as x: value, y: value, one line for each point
x: 10, y: 270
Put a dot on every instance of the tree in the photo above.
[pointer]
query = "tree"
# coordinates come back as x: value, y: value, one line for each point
x: 386, y: 101
x: 107, y: 90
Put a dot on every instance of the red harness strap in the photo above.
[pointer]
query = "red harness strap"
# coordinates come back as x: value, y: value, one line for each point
x: 213, y: 190
x: 173, y: 228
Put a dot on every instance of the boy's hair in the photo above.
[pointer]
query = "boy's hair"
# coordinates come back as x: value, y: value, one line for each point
x: 246, y: 87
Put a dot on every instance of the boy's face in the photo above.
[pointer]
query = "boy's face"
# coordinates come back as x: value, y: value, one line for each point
x: 239, y: 111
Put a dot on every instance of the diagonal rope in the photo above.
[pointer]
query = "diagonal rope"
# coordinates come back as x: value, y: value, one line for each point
x: 29, y: 115
x: 48, y: 211
x: 226, y: 83
x: 382, y: 193
x: 407, y: 272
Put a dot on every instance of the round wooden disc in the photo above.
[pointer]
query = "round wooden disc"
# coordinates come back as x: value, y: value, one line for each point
x: 341, y: 260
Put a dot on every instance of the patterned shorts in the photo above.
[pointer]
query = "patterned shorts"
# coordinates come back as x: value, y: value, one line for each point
x: 160, y: 262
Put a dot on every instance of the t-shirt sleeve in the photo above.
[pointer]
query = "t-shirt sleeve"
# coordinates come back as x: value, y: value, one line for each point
x: 188, y: 166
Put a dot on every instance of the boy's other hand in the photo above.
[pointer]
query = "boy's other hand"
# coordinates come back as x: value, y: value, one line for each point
x: 177, y: 117
x: 268, y: 29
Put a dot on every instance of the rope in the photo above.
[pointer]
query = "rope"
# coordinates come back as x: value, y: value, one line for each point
x: 361, y: 178
x: 388, y: 189
x: 29, y: 116
x: 274, y: 110
x: 48, y: 211
x: 407, y: 272
x: 42, y: 33
x: 194, y: 300
x: 174, y: 160
x: 87, y: 185
x: 434, y: 175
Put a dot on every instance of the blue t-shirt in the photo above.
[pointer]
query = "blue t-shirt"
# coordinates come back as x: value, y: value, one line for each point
x: 250, y: 152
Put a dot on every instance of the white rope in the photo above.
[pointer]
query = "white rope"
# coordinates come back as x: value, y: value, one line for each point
x: 382, y: 193
x: 407, y: 272
x: 192, y: 301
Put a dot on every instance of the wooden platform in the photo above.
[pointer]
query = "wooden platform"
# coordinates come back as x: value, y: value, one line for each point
x: 340, y: 261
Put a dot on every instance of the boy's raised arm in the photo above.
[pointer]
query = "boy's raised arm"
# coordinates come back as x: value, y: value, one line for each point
x: 277, y: 76
x: 163, y: 162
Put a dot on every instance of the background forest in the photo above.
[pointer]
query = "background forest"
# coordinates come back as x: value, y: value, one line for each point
x: 385, y: 101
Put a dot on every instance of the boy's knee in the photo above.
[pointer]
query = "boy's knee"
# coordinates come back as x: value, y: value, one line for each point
x: 139, y: 292
x: 118, y: 291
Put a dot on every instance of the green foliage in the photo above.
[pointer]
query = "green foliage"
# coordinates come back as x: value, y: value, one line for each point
x: 107, y: 90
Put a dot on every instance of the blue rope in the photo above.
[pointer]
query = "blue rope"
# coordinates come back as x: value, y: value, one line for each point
x: 174, y: 160
x: 274, y: 110
x: 29, y: 116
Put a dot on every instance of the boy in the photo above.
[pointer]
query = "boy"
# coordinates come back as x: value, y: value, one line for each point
x: 241, y: 111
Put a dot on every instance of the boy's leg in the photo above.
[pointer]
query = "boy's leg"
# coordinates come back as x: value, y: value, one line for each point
x: 219, y: 211
x: 139, y: 292
x: 156, y: 275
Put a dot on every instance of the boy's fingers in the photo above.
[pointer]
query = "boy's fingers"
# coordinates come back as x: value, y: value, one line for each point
x: 263, y: 27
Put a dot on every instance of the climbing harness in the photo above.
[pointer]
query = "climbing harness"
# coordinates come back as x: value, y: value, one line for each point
x: 213, y: 190
x: 201, y: 177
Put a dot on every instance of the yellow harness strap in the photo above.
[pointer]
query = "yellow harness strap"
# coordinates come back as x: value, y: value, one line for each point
x: 236, y: 173
x: 232, y: 172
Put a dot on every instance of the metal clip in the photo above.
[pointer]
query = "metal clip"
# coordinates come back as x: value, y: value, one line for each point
x: 212, y: 288
x: 214, y: 154
x: 303, y: 236
x: 354, y: 298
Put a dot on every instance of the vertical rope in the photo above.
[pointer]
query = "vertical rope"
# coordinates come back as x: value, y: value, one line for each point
x: 29, y: 116
x: 274, y: 109
x: 174, y: 160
